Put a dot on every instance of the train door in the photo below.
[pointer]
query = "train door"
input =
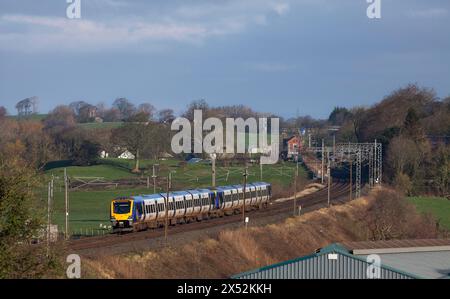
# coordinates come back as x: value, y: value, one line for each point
x: 140, y: 215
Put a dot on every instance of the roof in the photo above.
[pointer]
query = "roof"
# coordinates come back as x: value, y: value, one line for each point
x: 424, y: 258
x: 332, y: 262
x: 399, y: 259
x: 398, y: 246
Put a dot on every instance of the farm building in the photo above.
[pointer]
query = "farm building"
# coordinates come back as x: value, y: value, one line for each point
x: 291, y: 147
x: 399, y: 259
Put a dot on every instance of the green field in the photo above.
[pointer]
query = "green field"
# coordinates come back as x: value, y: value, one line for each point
x: 104, y: 125
x: 90, y: 208
x: 439, y: 207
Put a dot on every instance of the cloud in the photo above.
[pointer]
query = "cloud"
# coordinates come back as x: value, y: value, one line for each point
x: 193, y: 23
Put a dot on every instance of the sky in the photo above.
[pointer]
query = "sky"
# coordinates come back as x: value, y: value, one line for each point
x: 288, y: 57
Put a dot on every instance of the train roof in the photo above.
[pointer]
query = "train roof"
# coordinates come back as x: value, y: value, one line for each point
x: 261, y: 184
x: 199, y: 191
x: 223, y: 188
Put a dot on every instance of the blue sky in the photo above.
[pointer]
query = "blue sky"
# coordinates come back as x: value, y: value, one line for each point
x: 274, y: 55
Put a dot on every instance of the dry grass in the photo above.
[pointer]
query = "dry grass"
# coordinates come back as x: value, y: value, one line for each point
x: 236, y: 251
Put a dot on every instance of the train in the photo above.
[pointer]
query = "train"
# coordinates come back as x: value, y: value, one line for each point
x: 137, y: 213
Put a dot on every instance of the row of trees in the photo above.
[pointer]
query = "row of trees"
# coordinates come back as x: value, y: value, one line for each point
x: 121, y: 110
x: 414, y: 127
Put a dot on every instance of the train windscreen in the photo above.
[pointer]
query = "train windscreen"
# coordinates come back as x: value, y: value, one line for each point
x: 122, y: 207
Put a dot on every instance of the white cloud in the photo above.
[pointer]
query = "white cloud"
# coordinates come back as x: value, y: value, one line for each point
x: 180, y: 23
x: 281, y: 8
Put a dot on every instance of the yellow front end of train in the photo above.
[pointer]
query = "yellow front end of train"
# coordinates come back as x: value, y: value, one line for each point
x: 122, y: 214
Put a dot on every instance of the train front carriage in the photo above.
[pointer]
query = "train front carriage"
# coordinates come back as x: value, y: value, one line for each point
x: 123, y: 214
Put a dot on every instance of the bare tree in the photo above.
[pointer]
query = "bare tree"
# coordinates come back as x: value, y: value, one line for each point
x: 134, y: 137
x: 125, y: 107
x: 166, y: 116
x: 148, y: 109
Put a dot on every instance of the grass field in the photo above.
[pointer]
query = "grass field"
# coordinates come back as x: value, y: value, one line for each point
x: 104, y: 125
x: 90, y: 208
x: 439, y: 207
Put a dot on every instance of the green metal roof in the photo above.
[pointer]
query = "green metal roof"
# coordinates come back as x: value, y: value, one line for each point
x: 333, y: 248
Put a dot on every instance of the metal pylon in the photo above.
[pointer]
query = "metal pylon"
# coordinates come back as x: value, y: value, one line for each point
x: 358, y: 174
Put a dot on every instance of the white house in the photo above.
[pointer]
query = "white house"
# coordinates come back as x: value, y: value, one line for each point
x: 126, y: 155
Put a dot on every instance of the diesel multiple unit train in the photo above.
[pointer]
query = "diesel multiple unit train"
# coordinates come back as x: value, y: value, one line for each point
x: 137, y: 213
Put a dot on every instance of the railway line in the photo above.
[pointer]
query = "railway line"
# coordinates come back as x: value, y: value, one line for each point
x: 314, y: 201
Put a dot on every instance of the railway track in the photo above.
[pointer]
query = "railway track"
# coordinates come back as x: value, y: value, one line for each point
x: 309, y: 203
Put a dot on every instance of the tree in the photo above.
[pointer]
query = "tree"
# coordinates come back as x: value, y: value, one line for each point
x: 339, y: 116
x: 76, y: 106
x: 111, y: 115
x: 148, y: 109
x: 166, y: 116
x: 440, y: 169
x: 159, y: 141
x: 86, y: 153
x: 62, y: 117
x: 3, y: 112
x: 20, y: 224
x: 412, y: 125
x: 125, y: 107
x: 357, y: 119
x: 391, y: 216
x: 196, y: 105
x: 133, y: 137
x: 139, y: 117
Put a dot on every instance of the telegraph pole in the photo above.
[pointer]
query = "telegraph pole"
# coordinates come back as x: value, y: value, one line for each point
x: 329, y: 177
x: 295, y: 188
x: 66, y: 199
x: 48, y: 218
x: 334, y: 146
x: 166, y: 203
x: 170, y: 179
x: 323, y: 160
x: 213, y: 169
x: 260, y: 169
x: 154, y: 179
x: 245, y: 186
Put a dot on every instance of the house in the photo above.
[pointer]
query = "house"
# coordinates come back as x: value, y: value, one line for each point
x: 126, y: 155
x: 294, y: 145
